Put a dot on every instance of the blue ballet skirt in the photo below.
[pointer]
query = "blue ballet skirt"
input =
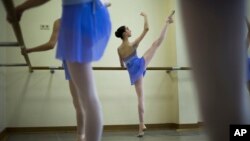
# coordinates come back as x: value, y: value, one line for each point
x: 135, y: 67
x: 66, y: 71
x: 84, y: 32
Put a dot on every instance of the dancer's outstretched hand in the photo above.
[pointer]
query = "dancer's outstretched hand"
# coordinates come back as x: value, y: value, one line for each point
x: 143, y: 14
x: 106, y: 3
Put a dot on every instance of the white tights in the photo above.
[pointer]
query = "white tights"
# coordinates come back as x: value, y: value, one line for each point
x: 89, y: 105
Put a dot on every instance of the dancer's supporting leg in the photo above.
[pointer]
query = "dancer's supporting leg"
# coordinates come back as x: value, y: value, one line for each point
x: 79, y: 112
x: 87, y: 96
x: 140, y: 96
x: 139, y: 83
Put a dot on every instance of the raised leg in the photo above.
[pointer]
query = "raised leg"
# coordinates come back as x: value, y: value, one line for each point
x: 148, y: 55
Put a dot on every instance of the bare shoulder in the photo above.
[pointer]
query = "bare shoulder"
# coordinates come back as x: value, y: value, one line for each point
x: 119, y: 49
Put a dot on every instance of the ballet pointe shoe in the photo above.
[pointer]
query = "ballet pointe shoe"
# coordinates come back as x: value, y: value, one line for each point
x: 170, y: 18
x: 141, y: 134
x: 81, y: 138
x: 144, y: 128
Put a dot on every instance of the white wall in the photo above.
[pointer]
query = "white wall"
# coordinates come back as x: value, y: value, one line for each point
x: 2, y: 70
x: 187, y: 96
x: 42, y: 99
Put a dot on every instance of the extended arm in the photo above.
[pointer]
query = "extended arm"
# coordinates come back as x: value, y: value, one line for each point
x: 24, y: 6
x: 145, y: 30
x: 48, y: 45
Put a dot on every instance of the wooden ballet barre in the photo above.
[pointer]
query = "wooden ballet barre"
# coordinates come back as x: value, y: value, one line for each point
x: 181, y: 68
x: 13, y: 65
x: 9, y: 44
x: 113, y: 68
x: 178, y: 68
x: 47, y: 68
x: 98, y: 68
x: 9, y: 7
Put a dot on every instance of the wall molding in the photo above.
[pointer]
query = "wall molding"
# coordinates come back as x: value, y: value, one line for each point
x: 3, y: 135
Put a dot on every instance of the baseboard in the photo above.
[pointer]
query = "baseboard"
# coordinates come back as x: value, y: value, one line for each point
x: 40, y: 129
x: 135, y: 127
x: 189, y: 127
x: 111, y: 128
x: 3, y: 135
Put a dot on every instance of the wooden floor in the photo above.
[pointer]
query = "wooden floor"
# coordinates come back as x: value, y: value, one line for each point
x: 154, y: 135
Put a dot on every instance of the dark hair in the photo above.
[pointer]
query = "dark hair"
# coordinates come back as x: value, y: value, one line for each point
x: 119, y: 32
